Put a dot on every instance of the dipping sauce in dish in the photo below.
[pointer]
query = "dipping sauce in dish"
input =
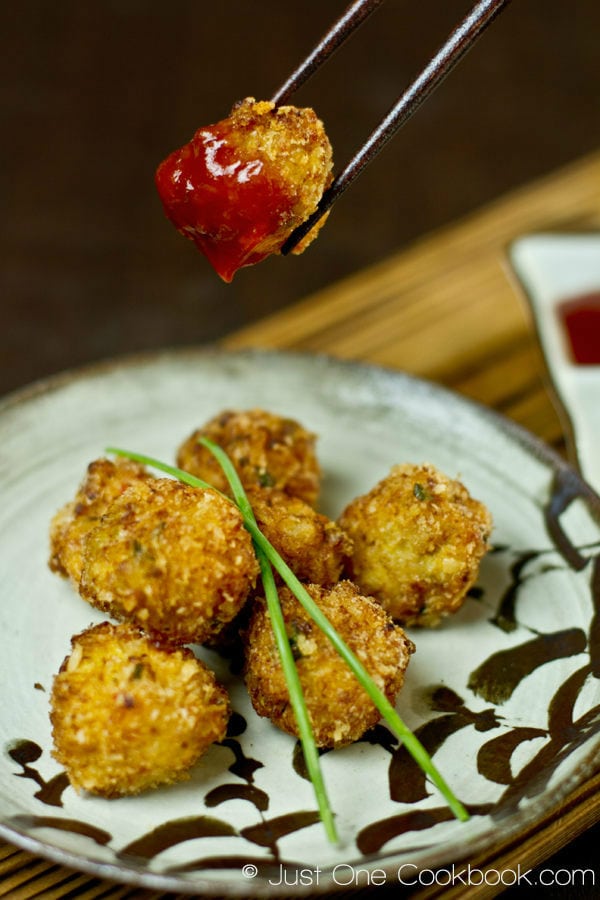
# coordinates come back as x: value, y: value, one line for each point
x: 580, y: 318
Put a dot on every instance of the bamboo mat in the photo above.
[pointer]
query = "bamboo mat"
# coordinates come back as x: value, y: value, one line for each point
x: 445, y: 309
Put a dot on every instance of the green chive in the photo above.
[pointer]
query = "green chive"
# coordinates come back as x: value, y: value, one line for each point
x: 292, y: 679
x: 411, y: 742
x: 420, y: 492
x: 138, y: 671
x: 309, y: 748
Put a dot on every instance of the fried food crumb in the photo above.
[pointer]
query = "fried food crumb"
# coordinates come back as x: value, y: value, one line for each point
x: 313, y: 546
x: 419, y: 538
x: 131, y: 708
x: 104, y: 481
x: 176, y: 561
x: 340, y: 710
x: 129, y: 714
x: 267, y: 450
x: 242, y: 185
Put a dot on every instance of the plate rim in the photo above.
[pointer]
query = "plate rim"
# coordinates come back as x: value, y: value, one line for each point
x: 522, y: 435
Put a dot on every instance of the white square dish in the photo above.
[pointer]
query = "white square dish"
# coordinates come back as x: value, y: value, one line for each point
x: 553, y: 270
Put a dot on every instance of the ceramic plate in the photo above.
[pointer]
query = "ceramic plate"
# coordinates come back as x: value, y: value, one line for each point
x: 554, y: 270
x: 505, y: 695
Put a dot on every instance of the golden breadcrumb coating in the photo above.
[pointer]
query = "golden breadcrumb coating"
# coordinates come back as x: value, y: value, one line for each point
x: 339, y: 709
x: 105, y: 480
x: 175, y: 560
x: 418, y: 540
x: 293, y: 140
x: 266, y: 449
x: 129, y: 714
x: 314, y: 547
x: 242, y: 185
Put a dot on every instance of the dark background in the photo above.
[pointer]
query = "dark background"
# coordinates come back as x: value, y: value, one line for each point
x: 94, y: 95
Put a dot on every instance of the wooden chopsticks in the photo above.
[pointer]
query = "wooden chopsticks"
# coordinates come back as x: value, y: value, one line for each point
x: 460, y: 40
x: 339, y: 32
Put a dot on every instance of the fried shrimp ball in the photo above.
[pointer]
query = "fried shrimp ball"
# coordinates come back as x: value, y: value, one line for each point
x: 418, y: 540
x: 175, y: 560
x: 267, y: 450
x: 129, y: 713
x: 314, y: 547
x: 340, y: 711
x: 241, y: 186
x: 104, y: 482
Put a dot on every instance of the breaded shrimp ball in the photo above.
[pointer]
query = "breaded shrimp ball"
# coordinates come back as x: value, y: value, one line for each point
x: 129, y: 714
x: 243, y: 184
x: 175, y: 560
x: 340, y: 710
x: 314, y: 547
x: 418, y: 540
x: 267, y: 450
x: 105, y: 480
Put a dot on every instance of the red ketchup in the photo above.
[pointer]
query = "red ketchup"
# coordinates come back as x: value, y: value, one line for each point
x: 580, y: 317
x: 230, y: 205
